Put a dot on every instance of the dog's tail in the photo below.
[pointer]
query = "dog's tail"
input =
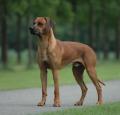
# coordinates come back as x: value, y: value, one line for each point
x: 101, y: 82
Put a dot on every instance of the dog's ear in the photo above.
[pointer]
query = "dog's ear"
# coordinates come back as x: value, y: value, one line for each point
x: 49, y: 22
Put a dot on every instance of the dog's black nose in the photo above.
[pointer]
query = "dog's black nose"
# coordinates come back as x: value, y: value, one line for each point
x: 30, y: 28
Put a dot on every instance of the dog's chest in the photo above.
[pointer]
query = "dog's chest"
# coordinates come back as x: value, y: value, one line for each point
x: 44, y: 56
x: 48, y: 57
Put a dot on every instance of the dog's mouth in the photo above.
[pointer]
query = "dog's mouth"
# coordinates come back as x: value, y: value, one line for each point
x: 35, y: 32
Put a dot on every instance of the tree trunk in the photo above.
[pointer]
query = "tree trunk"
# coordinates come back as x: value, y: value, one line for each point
x: 117, y: 40
x: 18, y: 38
x: 106, y: 44
x: 29, y: 42
x: 91, y: 27
x: 75, y: 29
x: 4, y: 40
x: 98, y: 41
x: 105, y: 39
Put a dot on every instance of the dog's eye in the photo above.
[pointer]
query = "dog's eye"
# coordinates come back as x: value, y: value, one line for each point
x: 40, y: 24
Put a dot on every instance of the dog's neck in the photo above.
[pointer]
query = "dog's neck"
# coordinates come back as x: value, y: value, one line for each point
x: 47, y: 42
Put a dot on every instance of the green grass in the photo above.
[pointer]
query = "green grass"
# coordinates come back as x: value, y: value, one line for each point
x: 107, y: 109
x: 20, y: 77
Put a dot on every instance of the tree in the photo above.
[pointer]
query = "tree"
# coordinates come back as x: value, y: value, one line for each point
x: 92, y: 23
x: 114, y: 22
x: 117, y: 40
x: 4, y: 39
x: 23, y: 8
x: 104, y: 28
x: 18, y: 37
x: 64, y: 16
x: 29, y: 45
x: 18, y: 8
x: 75, y: 23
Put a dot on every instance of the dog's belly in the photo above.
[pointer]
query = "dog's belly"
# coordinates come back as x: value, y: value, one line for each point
x: 66, y: 62
x: 55, y: 62
x: 59, y: 64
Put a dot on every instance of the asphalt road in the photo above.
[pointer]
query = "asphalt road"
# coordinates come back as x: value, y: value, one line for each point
x: 23, y: 102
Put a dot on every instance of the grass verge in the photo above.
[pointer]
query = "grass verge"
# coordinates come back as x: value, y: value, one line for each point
x: 19, y: 77
x: 107, y: 109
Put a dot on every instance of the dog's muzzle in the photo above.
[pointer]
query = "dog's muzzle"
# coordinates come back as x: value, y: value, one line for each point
x: 35, y: 32
x: 32, y: 31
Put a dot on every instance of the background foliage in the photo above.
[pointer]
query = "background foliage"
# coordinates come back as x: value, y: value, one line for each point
x: 94, y: 22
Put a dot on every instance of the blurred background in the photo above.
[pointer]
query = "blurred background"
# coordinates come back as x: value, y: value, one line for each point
x: 93, y: 22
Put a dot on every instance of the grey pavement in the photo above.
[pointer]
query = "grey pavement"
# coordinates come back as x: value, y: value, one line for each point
x: 23, y: 102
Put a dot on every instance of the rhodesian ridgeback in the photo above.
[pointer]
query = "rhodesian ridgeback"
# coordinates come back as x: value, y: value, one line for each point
x: 54, y: 54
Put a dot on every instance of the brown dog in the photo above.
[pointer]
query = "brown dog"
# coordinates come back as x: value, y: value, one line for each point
x: 54, y: 54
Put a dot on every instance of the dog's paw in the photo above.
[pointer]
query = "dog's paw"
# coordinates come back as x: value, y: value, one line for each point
x: 41, y: 103
x: 79, y: 103
x: 99, y: 103
x: 56, y: 104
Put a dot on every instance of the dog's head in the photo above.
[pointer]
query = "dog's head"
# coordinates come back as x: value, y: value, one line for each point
x: 41, y: 26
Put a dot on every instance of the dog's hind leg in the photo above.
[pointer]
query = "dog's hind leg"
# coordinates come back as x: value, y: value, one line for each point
x: 90, y: 64
x: 78, y: 70
x: 93, y: 76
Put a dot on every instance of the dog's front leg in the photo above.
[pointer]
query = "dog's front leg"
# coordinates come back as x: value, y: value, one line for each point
x: 56, y: 88
x: 43, y: 76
